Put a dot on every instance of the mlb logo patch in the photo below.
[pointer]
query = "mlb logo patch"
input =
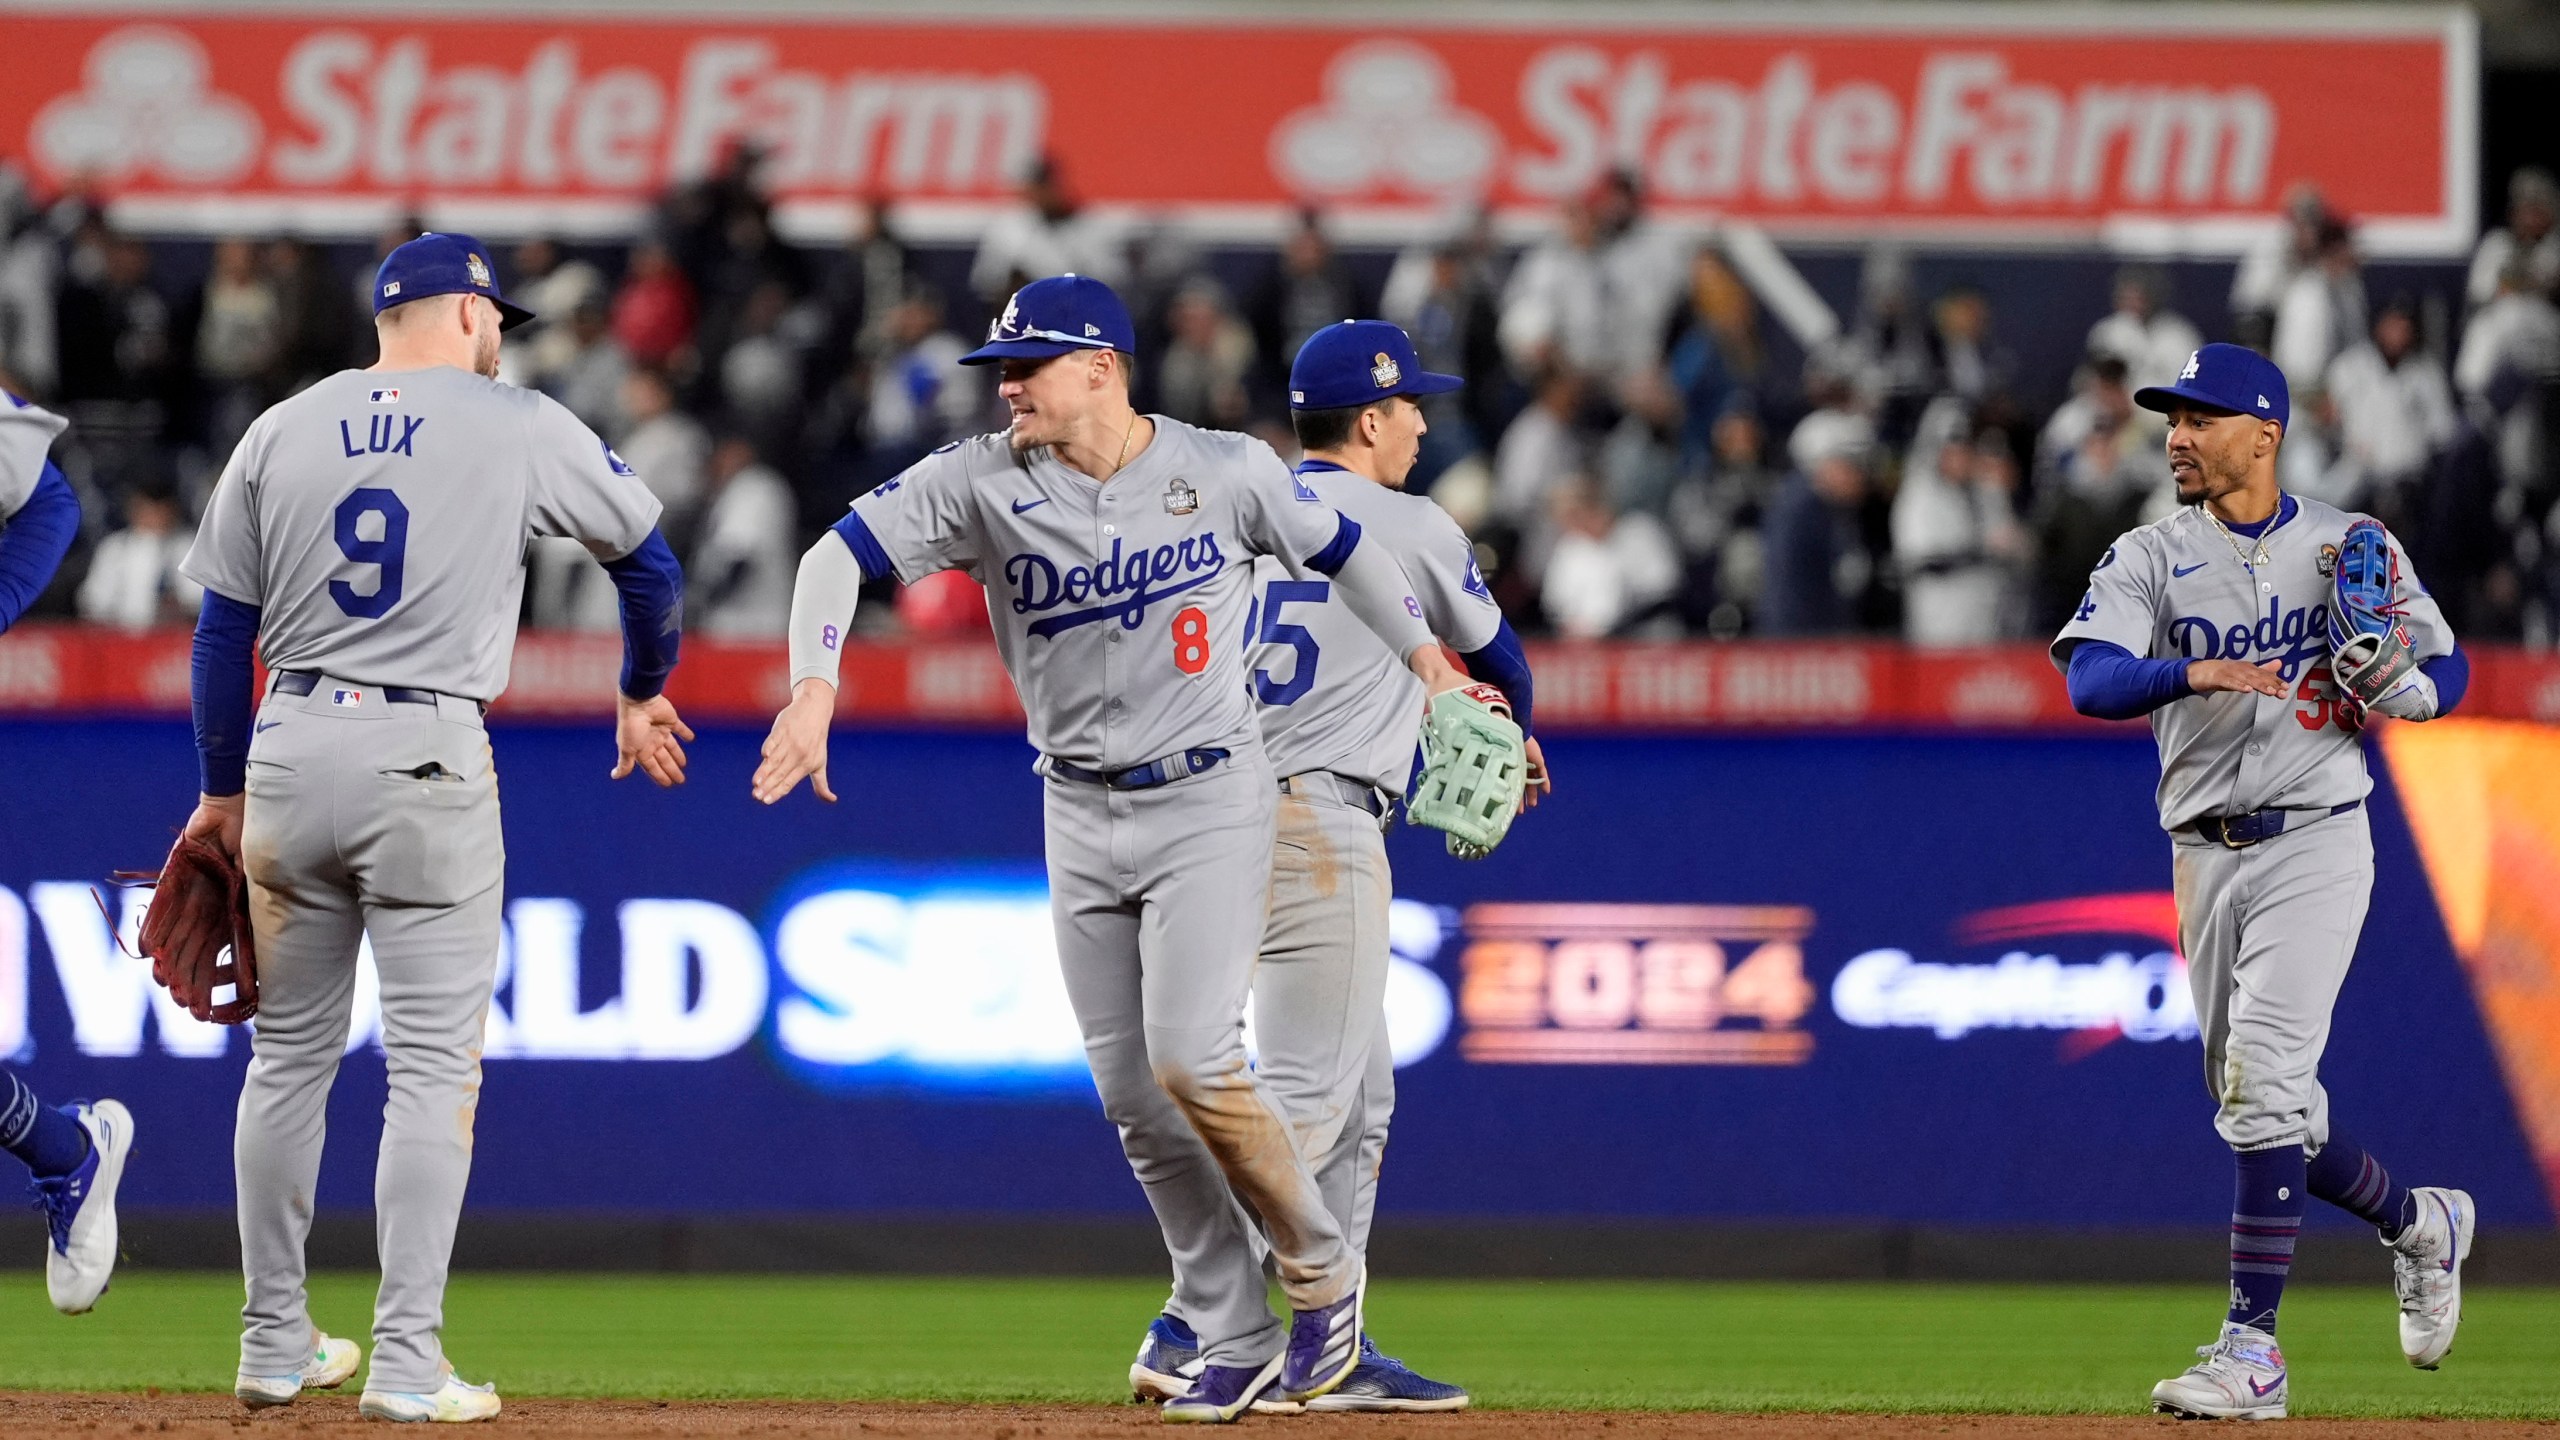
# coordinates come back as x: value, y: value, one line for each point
x: 348, y: 698
x: 390, y: 289
x: 385, y: 397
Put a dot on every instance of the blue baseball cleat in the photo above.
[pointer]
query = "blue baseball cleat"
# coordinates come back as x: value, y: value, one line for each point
x: 1168, y: 1361
x: 1223, y: 1393
x: 1382, y: 1384
x: 80, y: 1210
x: 1324, y: 1345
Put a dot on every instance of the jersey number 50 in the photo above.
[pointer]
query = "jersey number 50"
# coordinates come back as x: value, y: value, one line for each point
x: 389, y: 550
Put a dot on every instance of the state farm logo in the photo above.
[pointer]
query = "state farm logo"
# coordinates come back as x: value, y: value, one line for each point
x: 1386, y: 123
x: 1635, y: 984
x: 147, y: 109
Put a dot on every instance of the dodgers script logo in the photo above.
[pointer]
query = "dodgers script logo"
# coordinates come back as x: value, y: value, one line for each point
x: 2292, y: 636
x: 1128, y: 582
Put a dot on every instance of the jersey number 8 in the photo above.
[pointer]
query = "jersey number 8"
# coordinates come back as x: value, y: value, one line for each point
x: 1191, y: 640
x: 390, y: 550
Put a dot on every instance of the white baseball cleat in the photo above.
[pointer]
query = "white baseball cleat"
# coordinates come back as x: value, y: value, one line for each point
x: 80, y: 1210
x: 2238, y: 1377
x: 332, y: 1362
x: 456, y: 1401
x: 2426, y: 1268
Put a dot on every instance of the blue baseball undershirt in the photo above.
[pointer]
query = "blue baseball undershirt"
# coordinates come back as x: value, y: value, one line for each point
x: 33, y: 542
x: 651, y: 585
x: 226, y: 632
x: 1505, y: 666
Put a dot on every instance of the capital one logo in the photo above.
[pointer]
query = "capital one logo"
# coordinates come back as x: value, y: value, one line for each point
x: 146, y: 107
x: 1388, y: 121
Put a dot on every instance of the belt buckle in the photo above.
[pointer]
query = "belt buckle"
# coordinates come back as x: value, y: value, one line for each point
x: 2229, y: 843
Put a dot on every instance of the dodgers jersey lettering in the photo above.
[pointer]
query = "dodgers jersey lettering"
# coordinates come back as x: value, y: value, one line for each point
x: 2175, y: 589
x: 27, y: 431
x: 380, y: 520
x: 1331, y: 695
x: 1119, y: 607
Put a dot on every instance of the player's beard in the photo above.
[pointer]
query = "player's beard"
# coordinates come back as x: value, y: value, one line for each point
x: 484, y: 353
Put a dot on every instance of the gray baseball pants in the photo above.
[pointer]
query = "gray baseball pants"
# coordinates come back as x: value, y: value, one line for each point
x: 2269, y: 931
x: 365, y: 817
x: 1158, y: 896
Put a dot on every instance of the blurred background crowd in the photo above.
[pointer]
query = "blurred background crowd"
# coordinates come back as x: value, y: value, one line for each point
x: 1666, y: 430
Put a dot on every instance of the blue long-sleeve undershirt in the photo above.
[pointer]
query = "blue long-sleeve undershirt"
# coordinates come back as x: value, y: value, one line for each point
x: 33, y: 542
x: 226, y: 633
x: 2452, y: 674
x: 651, y: 584
x: 1505, y: 666
x: 2112, y: 683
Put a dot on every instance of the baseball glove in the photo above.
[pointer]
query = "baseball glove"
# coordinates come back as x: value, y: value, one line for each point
x: 1474, y: 763
x: 196, y: 931
x: 2373, y: 656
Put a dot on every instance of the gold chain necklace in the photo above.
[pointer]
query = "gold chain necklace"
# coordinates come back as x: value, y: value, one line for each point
x: 2247, y: 562
x: 1122, y: 459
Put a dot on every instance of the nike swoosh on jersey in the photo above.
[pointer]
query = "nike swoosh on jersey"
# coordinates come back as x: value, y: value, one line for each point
x: 2183, y: 571
x: 264, y: 726
x: 1021, y: 505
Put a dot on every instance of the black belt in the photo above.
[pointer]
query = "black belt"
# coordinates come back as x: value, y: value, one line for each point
x: 1162, y: 771
x: 303, y: 682
x: 1352, y: 792
x: 2239, y: 832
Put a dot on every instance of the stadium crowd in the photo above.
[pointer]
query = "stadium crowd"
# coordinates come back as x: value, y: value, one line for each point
x: 1641, y: 449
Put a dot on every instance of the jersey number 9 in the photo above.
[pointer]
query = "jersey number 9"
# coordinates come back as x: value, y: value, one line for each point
x: 388, y: 550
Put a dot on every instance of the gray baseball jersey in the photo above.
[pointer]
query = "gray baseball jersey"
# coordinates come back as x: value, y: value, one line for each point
x: 2179, y: 587
x: 27, y: 432
x: 1119, y: 609
x: 1331, y: 696
x: 380, y: 520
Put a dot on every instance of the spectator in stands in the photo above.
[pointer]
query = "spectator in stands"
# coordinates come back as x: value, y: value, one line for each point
x: 1543, y: 445
x: 1817, y: 566
x: 1644, y: 270
x: 1208, y: 357
x: 588, y: 378
x: 2095, y: 470
x: 1050, y: 233
x: 1599, y: 295
x: 2322, y: 310
x: 1716, y: 355
x: 920, y: 394
x: 1309, y: 289
x: 2395, y: 411
x: 1554, y: 311
x: 653, y: 314
x: 133, y: 581
x: 1606, y: 573
x: 2152, y: 341
x: 1886, y: 358
x: 321, y: 336
x: 1715, y: 515
x: 748, y: 267
x: 239, y: 342
x: 761, y: 380
x: 1957, y: 540
x: 867, y: 280
x: 1444, y: 297
x: 2509, y: 359
x: 30, y: 270
x: 1639, y: 462
x: 2270, y: 264
x: 553, y: 288
x: 739, y: 576
x: 2530, y: 236
x: 116, y: 351
x: 1969, y: 362
x: 668, y: 448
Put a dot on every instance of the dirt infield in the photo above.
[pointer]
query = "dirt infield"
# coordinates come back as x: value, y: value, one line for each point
x: 45, y: 1417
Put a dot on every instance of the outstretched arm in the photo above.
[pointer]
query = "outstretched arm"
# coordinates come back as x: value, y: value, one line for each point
x: 822, y: 604
x: 1375, y: 588
x: 33, y: 542
x: 647, y: 731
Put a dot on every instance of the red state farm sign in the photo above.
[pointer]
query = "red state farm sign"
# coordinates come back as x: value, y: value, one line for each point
x: 1985, y: 121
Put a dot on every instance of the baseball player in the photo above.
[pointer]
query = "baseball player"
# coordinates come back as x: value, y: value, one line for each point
x: 369, y: 535
x: 2258, y: 629
x: 1338, y: 716
x: 75, y: 1153
x: 1115, y: 549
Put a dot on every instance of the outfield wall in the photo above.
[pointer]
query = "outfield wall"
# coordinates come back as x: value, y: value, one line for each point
x: 1915, y: 979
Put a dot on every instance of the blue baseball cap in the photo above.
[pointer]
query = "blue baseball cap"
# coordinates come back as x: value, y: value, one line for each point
x: 1357, y: 362
x: 1053, y: 316
x: 2226, y: 377
x: 437, y: 263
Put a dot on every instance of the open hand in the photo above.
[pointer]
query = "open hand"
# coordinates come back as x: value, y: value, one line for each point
x: 2265, y: 678
x: 797, y: 747
x: 646, y: 735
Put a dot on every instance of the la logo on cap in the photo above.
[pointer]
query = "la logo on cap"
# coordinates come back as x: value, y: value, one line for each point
x: 2195, y: 359
x: 478, y: 268
x: 1385, y: 371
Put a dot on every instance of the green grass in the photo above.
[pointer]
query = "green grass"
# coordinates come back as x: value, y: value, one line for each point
x: 1515, y: 1343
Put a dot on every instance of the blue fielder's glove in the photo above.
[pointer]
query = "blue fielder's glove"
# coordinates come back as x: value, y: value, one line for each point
x: 2374, y: 658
